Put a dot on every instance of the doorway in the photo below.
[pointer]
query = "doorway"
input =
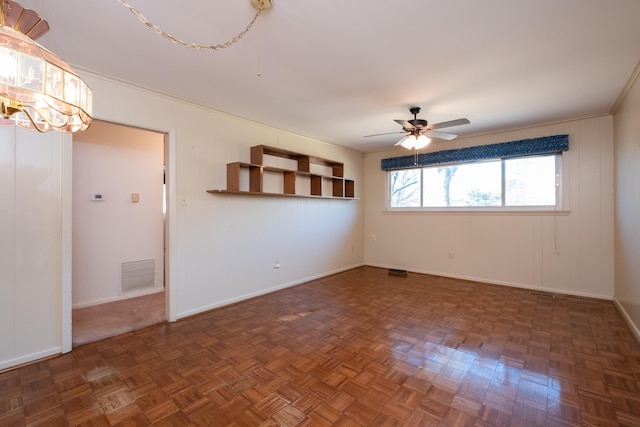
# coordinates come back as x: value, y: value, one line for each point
x: 118, y: 238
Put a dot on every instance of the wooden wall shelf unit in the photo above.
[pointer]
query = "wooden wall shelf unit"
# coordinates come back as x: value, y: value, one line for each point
x: 341, y: 188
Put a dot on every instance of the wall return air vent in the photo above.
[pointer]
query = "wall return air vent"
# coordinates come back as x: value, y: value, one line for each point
x: 138, y: 276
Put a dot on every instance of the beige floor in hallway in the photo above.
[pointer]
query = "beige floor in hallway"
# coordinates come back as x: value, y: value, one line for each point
x: 95, y: 323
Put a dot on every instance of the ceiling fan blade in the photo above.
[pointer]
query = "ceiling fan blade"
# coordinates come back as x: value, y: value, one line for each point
x: 441, y: 135
x: 406, y: 124
x: 381, y: 134
x: 450, y: 123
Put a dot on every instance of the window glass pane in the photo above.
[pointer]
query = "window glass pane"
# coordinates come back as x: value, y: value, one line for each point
x: 471, y: 184
x: 530, y: 181
x: 405, y: 188
x: 527, y: 181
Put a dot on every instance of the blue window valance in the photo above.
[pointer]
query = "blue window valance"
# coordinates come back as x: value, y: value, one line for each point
x: 523, y: 147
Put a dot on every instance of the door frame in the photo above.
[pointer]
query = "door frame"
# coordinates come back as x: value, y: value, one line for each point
x: 66, y: 302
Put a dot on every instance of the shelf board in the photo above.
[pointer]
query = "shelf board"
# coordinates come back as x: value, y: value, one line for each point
x: 255, y: 193
x: 259, y: 151
x: 283, y: 170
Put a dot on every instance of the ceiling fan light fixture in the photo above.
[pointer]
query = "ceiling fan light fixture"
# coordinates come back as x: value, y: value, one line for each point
x: 422, y: 141
x: 417, y: 142
x: 404, y: 141
x: 38, y: 90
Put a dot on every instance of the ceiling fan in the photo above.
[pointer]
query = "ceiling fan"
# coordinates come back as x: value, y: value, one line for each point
x: 419, y: 132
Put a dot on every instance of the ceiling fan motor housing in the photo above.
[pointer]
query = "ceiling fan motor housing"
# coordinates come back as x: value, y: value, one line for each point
x: 418, y: 124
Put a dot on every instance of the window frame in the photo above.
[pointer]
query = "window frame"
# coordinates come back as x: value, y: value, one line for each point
x: 559, y: 193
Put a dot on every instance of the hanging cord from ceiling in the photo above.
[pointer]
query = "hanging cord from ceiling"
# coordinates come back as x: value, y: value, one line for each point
x: 260, y: 5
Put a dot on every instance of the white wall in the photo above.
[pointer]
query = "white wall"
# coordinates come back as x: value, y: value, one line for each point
x: 224, y: 246
x: 221, y: 248
x: 570, y: 253
x: 115, y: 161
x: 31, y: 244
x: 627, y: 203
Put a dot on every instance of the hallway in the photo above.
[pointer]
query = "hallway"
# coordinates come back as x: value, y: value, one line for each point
x: 97, y: 322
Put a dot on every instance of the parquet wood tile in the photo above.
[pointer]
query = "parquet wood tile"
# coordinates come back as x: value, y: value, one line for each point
x: 359, y: 348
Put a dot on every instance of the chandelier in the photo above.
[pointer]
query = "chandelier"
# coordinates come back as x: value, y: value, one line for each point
x: 38, y: 90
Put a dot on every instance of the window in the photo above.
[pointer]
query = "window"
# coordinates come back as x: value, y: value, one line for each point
x: 515, y: 182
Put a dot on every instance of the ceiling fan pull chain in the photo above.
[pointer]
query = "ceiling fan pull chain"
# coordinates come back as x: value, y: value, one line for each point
x: 260, y: 6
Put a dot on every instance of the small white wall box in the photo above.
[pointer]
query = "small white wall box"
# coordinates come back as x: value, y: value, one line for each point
x: 96, y: 197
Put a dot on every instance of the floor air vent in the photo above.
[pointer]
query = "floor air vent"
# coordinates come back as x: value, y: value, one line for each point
x: 138, y: 276
x: 396, y: 272
x: 542, y: 294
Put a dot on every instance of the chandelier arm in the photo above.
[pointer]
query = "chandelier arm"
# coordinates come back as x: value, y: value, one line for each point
x: 197, y: 46
x: 9, y: 107
x: 32, y: 120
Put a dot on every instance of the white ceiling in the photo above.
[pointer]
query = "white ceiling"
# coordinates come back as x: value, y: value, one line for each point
x: 337, y: 70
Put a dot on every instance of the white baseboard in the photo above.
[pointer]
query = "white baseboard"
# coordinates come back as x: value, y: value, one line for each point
x: 117, y: 298
x: 262, y: 292
x: 627, y: 319
x: 502, y: 283
x: 27, y: 358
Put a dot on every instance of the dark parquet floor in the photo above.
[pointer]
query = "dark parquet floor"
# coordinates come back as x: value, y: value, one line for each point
x: 359, y: 348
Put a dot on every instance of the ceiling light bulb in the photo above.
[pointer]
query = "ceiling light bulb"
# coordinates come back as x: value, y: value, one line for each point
x: 409, y: 142
x: 421, y: 142
x: 401, y: 142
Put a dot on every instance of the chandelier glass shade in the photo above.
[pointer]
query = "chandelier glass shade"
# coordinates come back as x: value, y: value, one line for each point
x: 38, y: 90
x: 415, y: 141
